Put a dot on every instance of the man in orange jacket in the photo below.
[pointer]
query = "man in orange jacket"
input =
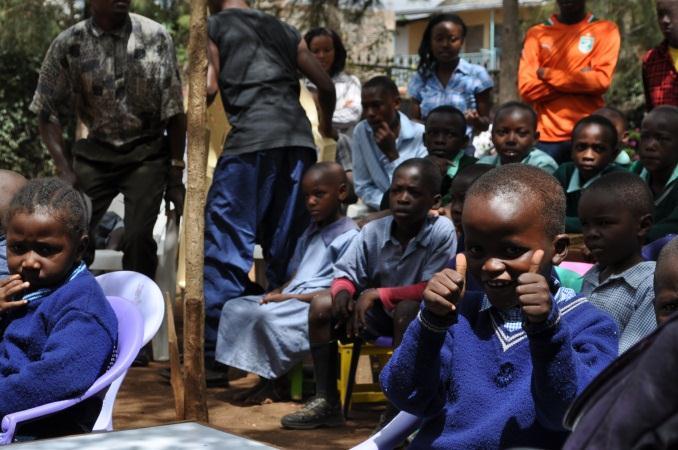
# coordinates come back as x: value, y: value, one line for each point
x: 565, y: 68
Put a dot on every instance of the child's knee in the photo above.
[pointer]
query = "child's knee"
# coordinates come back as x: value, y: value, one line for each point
x: 405, y: 312
x: 320, y: 311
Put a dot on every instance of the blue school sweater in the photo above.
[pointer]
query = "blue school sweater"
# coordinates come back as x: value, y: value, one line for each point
x: 56, y: 347
x: 479, y: 385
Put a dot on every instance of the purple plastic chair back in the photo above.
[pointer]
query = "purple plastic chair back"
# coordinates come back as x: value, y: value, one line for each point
x: 130, y: 335
x: 651, y: 251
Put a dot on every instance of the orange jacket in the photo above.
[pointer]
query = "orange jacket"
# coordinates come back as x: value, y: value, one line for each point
x: 579, y: 61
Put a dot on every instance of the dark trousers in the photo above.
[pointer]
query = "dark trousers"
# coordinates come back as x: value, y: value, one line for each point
x: 254, y: 198
x: 142, y: 183
x: 560, y: 151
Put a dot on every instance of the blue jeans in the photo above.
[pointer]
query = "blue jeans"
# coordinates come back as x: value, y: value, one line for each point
x: 560, y: 151
x: 254, y: 198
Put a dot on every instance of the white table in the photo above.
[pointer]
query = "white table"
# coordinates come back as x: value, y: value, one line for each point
x: 178, y: 436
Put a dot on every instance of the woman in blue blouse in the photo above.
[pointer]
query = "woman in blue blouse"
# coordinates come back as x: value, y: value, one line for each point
x: 443, y: 78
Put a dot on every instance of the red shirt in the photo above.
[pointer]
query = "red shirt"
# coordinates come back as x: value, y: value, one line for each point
x: 660, y: 78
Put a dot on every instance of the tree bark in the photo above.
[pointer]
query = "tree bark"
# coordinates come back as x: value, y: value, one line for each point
x: 195, y: 404
x: 511, y: 40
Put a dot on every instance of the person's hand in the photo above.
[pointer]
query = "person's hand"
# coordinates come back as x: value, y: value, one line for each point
x: 342, y: 307
x: 533, y: 291
x: 10, y: 286
x: 275, y: 297
x: 446, y: 288
x: 365, y: 303
x: 541, y: 73
x: 326, y: 130
x: 175, y: 192
x: 442, y: 163
x: 386, y: 141
x: 472, y: 117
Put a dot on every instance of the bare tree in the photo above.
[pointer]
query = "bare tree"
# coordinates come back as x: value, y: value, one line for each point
x: 510, y: 52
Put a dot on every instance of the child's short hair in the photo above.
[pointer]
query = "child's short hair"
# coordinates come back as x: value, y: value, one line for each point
x: 515, y: 105
x: 668, y: 254
x: 451, y: 110
x: 329, y: 169
x: 384, y: 83
x: 473, y: 172
x: 629, y: 190
x: 601, y: 121
x: 610, y: 112
x: 668, y: 110
x: 55, y: 196
x: 524, y: 184
x: 430, y: 173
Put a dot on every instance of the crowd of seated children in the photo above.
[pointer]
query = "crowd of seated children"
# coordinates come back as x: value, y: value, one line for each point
x: 514, y: 135
x: 616, y: 214
x: 658, y: 166
x: 378, y: 284
x: 10, y: 183
x: 383, y: 140
x: 270, y: 339
x: 594, y: 149
x: 445, y: 140
x: 499, y: 368
x: 57, y: 330
x: 666, y: 282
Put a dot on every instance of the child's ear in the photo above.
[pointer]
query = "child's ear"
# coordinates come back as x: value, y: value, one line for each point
x: 644, y: 225
x: 537, y: 135
x: 560, y: 244
x: 437, y: 201
x: 343, y: 192
x: 464, y: 142
x: 396, y: 103
x: 82, y: 246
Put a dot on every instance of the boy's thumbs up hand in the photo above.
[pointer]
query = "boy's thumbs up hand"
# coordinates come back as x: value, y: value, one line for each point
x: 533, y: 291
x: 446, y: 288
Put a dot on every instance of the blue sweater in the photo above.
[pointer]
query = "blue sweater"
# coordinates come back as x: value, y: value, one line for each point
x: 56, y: 347
x: 479, y: 385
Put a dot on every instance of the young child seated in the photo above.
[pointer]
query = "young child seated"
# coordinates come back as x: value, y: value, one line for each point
x: 666, y: 282
x: 658, y: 166
x: 594, y: 148
x: 10, y: 183
x: 385, y: 268
x: 271, y: 338
x: 514, y: 135
x: 616, y: 214
x: 620, y: 123
x: 57, y: 330
x: 382, y: 141
x: 445, y: 139
x: 499, y: 368
x: 460, y: 185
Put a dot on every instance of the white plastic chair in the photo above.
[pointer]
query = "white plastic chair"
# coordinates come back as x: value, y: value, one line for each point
x: 141, y: 291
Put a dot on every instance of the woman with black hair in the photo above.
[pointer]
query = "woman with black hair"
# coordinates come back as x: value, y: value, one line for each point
x: 327, y: 47
x: 443, y: 78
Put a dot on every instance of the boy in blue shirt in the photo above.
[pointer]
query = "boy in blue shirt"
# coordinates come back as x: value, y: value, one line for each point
x: 595, y: 145
x: 382, y: 141
x: 514, y: 135
x: 616, y: 214
x: 499, y: 368
x: 271, y: 338
x: 378, y: 283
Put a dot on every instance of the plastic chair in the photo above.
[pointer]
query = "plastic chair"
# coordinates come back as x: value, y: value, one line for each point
x: 651, y: 251
x: 569, y: 278
x: 393, y: 434
x: 143, y: 293
x: 130, y: 335
x: 579, y: 267
x: 383, y: 347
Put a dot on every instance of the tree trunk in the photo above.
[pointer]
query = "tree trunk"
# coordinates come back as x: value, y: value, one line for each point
x: 511, y: 40
x: 195, y: 404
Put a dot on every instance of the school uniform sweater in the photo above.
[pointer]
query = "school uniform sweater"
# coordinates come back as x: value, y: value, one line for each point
x: 56, y: 347
x: 483, y: 383
x: 665, y: 204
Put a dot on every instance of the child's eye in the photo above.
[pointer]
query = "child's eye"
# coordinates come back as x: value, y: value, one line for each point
x: 17, y: 249
x: 514, y: 251
x: 474, y: 250
x: 670, y: 307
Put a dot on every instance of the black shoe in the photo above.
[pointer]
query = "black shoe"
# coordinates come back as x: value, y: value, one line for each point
x: 315, y: 413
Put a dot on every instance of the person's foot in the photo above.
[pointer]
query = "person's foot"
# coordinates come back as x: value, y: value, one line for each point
x: 271, y: 391
x: 213, y: 378
x: 317, y: 412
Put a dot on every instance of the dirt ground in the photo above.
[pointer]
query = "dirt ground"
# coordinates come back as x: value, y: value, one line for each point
x: 146, y: 400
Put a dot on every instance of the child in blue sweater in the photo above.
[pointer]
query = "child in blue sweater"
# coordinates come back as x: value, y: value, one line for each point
x: 499, y: 368
x: 57, y: 330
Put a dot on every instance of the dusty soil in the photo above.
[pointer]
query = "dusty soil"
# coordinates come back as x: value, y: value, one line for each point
x: 146, y: 400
